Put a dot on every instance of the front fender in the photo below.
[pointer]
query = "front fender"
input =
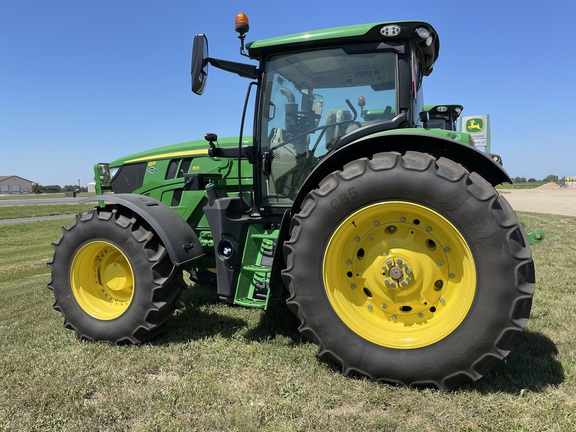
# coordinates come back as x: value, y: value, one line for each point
x: 469, y: 157
x: 178, y: 238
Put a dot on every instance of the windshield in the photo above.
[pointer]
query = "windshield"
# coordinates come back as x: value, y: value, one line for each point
x: 309, y: 100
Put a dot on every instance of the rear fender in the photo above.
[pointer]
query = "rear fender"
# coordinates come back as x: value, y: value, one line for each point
x: 469, y: 157
x: 177, y: 236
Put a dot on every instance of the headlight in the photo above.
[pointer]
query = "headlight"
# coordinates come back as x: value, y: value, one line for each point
x: 390, y: 30
x: 424, y: 34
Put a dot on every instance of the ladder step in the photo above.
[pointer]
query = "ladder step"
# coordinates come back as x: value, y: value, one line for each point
x: 253, y: 286
x: 257, y: 269
x: 250, y: 302
x: 265, y: 236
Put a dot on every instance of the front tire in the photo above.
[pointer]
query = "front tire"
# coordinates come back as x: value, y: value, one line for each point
x: 112, y: 278
x: 409, y: 270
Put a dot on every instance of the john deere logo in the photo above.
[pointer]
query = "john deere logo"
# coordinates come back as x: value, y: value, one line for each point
x: 474, y: 125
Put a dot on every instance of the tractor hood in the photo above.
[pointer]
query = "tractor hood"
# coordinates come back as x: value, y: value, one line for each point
x: 180, y: 150
x: 150, y: 170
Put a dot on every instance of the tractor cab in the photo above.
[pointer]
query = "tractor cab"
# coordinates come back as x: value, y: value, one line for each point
x: 310, y: 100
x: 320, y: 90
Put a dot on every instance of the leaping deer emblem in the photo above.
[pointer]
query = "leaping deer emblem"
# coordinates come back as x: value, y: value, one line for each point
x: 474, y: 125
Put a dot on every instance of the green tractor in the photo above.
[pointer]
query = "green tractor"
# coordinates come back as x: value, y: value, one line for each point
x: 387, y: 240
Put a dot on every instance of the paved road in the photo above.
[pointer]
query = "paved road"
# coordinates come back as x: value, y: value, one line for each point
x: 34, y: 219
x: 23, y: 201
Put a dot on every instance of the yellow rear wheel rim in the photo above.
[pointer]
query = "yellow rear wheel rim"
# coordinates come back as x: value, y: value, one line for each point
x: 399, y: 274
x: 102, y: 280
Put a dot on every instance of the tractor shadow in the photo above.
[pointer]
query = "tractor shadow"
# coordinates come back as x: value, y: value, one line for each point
x: 204, y: 315
x: 198, y: 318
x: 276, y: 321
x: 531, y: 366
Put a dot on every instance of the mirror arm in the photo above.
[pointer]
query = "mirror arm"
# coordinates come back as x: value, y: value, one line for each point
x: 242, y: 69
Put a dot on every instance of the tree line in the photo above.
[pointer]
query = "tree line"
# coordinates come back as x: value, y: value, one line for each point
x: 38, y: 189
x: 549, y: 178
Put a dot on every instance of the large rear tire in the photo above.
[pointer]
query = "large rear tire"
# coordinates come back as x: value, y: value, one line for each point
x: 409, y: 270
x: 112, y: 278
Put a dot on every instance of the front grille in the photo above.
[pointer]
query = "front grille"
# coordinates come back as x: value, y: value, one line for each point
x: 129, y: 178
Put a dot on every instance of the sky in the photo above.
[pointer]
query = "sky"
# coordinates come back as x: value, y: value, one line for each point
x: 87, y: 81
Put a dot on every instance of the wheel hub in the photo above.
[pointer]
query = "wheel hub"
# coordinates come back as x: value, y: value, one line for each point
x: 400, y: 288
x: 115, y: 277
x: 396, y: 273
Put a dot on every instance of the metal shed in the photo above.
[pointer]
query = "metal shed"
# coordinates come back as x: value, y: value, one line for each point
x: 14, y: 185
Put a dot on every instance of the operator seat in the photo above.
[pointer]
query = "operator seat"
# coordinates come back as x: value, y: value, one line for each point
x: 338, y: 129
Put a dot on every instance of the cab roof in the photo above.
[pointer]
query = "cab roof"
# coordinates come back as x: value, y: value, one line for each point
x: 385, y: 32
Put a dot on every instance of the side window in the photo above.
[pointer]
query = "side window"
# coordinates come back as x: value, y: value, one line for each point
x: 312, y: 99
x: 184, y: 167
x: 172, y: 167
x: 417, y: 91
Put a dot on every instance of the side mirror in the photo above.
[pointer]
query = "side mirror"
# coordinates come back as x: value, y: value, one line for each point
x: 424, y: 117
x: 199, y: 69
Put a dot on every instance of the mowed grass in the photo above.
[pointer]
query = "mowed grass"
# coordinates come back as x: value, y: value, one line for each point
x: 218, y: 367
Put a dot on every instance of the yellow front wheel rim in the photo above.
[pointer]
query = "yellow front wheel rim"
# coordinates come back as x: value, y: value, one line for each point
x: 102, y: 280
x: 399, y: 274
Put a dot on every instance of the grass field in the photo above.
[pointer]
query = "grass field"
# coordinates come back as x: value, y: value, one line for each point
x: 219, y: 368
x: 22, y: 211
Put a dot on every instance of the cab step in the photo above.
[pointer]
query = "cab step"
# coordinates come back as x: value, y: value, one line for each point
x: 253, y: 288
